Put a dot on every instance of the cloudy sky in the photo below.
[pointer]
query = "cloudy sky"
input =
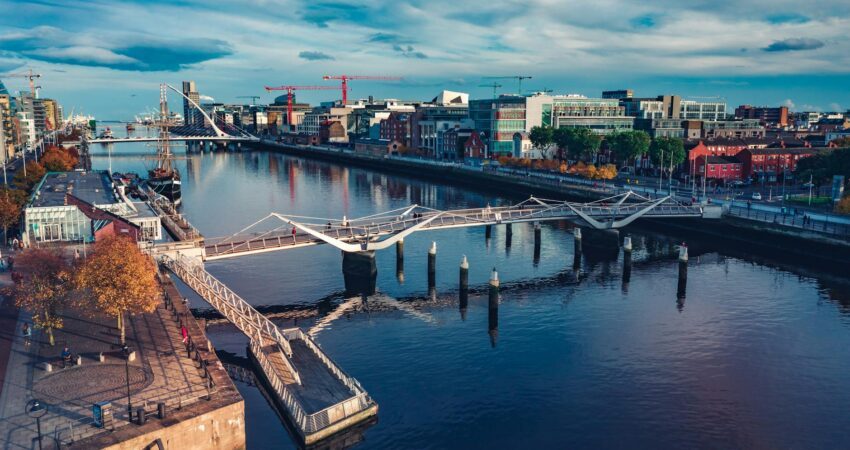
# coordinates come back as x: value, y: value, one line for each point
x: 107, y: 58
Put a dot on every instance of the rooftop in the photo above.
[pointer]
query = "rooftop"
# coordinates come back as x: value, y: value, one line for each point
x: 92, y: 187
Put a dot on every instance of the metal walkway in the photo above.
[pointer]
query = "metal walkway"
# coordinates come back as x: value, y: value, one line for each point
x: 318, y: 397
x: 380, y: 231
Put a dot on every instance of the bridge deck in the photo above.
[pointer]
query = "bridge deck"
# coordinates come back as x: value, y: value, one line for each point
x: 368, y: 230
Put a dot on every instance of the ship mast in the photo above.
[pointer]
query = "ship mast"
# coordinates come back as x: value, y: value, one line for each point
x: 163, y: 143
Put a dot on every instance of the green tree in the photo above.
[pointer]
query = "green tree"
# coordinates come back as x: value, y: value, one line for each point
x: 585, y: 143
x: 541, y: 138
x: 118, y: 279
x: 666, y: 152
x: 44, y: 287
x: 628, y: 145
x: 563, y: 139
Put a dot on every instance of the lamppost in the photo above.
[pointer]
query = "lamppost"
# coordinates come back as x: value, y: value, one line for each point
x: 36, y: 410
x: 126, y: 350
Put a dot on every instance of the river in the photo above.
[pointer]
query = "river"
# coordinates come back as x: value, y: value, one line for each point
x: 755, y: 356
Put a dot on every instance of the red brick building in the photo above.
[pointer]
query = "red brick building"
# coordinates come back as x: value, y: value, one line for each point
x: 397, y: 127
x: 474, y: 147
x: 777, y: 116
x: 771, y: 163
x: 726, y: 168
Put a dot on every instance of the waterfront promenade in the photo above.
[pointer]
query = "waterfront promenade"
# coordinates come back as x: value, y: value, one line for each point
x: 162, y: 371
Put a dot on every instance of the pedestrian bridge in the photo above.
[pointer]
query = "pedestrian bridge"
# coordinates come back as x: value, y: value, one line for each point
x: 375, y: 232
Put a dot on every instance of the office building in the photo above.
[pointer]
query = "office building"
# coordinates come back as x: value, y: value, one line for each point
x: 744, y: 128
x: 619, y: 94
x: 777, y: 116
x: 191, y: 116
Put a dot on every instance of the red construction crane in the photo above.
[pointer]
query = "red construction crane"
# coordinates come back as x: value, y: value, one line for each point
x: 345, y: 79
x: 29, y: 74
x: 289, y: 90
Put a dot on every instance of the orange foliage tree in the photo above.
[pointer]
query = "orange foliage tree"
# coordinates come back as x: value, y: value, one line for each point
x: 34, y: 173
x: 118, y: 279
x: 57, y: 159
x: 843, y: 205
x: 44, y: 287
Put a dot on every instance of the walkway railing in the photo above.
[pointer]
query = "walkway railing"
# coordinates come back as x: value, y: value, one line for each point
x: 228, y: 303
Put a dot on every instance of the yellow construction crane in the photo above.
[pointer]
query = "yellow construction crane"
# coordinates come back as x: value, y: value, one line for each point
x: 29, y: 74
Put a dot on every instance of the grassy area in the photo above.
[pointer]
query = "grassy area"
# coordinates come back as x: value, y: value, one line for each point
x: 816, y: 201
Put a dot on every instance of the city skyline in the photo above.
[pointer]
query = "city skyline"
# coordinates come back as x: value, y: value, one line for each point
x: 92, y: 53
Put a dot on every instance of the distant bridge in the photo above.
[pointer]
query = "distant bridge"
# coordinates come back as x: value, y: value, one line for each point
x: 382, y: 230
x: 175, y: 137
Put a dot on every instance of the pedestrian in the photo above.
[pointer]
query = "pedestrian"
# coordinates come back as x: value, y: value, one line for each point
x: 749, y: 204
x: 293, y: 232
x: 66, y: 356
x: 15, y: 243
x: 185, y: 333
x: 27, y: 332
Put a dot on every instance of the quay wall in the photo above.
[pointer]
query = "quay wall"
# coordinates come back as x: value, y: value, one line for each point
x: 756, y: 235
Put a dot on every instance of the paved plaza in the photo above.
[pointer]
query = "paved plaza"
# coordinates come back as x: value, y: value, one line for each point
x: 161, y: 372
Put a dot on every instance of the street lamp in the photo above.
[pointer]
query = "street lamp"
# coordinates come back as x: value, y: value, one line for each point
x: 36, y: 410
x: 126, y: 351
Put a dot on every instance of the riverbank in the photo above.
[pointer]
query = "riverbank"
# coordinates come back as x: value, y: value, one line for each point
x: 768, y: 233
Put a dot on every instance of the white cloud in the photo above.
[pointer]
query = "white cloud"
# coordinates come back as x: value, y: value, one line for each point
x: 789, y: 104
x: 82, y: 54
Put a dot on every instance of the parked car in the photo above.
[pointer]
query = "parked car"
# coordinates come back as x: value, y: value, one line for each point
x: 756, y: 196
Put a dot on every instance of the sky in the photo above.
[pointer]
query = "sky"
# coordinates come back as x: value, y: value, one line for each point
x: 107, y: 58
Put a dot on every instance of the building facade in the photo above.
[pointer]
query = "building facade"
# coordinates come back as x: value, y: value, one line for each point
x: 191, y: 116
x: 777, y: 116
x: 696, y: 110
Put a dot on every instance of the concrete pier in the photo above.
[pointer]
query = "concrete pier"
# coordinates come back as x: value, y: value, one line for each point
x: 488, y: 231
x: 493, y: 308
x: 432, y: 265
x: 509, y: 235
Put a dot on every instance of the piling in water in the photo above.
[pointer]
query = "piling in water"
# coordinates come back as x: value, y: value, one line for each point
x: 576, y: 247
x: 627, y: 259
x: 509, y: 235
x: 399, y: 260
x: 493, y: 308
x: 683, y: 272
x: 536, y: 242
x: 463, y: 292
x: 488, y: 231
x: 432, y: 265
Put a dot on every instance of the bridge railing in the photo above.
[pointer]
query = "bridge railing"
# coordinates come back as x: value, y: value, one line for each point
x: 228, y: 303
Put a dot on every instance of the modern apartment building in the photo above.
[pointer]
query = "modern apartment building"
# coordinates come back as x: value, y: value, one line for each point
x: 430, y: 122
x: 743, y: 128
x: 696, y: 110
x: 602, y: 116
x: 191, y: 116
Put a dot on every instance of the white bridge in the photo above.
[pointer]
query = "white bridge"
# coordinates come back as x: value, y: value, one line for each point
x: 175, y: 137
x: 376, y: 232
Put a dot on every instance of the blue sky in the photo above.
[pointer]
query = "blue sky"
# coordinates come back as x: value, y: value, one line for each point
x: 107, y: 58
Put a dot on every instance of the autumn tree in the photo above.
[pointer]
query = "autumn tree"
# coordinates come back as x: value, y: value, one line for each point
x: 34, y: 173
x: 44, y: 287
x: 57, y: 159
x: 118, y: 279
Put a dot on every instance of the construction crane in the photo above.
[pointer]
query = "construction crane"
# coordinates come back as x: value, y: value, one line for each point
x: 544, y: 90
x: 492, y: 85
x: 253, y: 98
x: 345, y: 78
x: 519, y: 79
x: 29, y: 74
x: 290, y: 89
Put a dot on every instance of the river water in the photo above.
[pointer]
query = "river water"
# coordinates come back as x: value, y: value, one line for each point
x: 755, y: 356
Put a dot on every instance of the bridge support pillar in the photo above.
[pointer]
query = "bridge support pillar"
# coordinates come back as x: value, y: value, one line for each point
x: 432, y: 265
x: 627, y: 259
x: 509, y: 234
x: 603, y: 245
x: 493, y: 308
x: 488, y: 231
x: 359, y: 272
x: 463, y: 291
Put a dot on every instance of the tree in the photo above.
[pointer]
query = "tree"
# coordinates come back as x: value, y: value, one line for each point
x: 541, y: 138
x: 44, y: 287
x: 628, y: 145
x: 118, y: 279
x: 10, y: 213
x: 34, y: 174
x: 584, y: 143
x: 666, y: 152
x: 563, y: 138
x: 57, y: 159
x: 843, y: 142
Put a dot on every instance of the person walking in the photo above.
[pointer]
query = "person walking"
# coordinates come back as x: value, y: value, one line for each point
x: 27, y: 332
